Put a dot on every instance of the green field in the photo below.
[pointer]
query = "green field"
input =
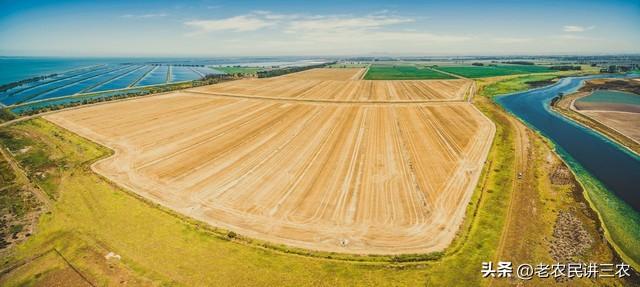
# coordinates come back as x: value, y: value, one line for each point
x: 239, y: 70
x: 493, y: 71
x: 615, y: 97
x: 379, y: 72
x: 514, y: 85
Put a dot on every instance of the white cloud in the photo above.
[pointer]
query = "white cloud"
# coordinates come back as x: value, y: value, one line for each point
x: 241, y: 23
x: 573, y: 37
x: 337, y: 23
x: 574, y: 28
x: 292, y: 23
x: 334, y: 33
x: 144, y: 16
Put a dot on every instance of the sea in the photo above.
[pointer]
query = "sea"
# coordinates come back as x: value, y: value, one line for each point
x: 14, y: 69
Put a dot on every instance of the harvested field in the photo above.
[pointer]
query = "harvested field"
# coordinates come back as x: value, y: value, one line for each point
x: 328, y: 74
x: 627, y: 123
x: 618, y: 110
x: 354, y: 178
x: 296, y: 87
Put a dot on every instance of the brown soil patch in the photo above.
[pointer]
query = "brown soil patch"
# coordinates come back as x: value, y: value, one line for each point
x: 324, y: 88
x: 589, y: 106
x: 627, y: 124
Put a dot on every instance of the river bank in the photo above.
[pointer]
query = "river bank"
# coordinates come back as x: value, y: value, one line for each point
x: 565, y: 107
x: 604, y: 169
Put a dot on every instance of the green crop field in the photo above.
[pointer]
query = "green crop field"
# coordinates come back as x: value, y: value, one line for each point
x: 492, y: 71
x: 378, y: 72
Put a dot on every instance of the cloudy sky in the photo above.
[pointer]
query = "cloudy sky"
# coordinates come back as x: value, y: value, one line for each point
x: 272, y: 28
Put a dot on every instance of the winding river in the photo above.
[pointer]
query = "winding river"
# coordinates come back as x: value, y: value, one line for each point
x: 615, y: 167
x: 609, y: 172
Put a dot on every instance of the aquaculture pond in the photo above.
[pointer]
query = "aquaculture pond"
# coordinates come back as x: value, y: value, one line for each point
x: 616, y: 97
x: 28, y: 94
x: 609, y: 171
x: 180, y: 73
x: 35, y: 105
x: 84, y: 85
x: 158, y: 76
x: 124, y: 80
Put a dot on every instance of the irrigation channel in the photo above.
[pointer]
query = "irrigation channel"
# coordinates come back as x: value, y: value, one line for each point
x: 609, y: 171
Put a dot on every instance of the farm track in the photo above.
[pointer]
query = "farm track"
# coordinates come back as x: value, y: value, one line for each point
x: 377, y: 178
x: 522, y: 161
x: 456, y: 76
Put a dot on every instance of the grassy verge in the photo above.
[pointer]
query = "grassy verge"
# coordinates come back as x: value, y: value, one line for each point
x: 19, y: 206
x: 6, y: 115
x: 513, y: 84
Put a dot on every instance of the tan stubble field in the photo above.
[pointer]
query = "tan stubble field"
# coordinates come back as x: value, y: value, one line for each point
x: 386, y: 177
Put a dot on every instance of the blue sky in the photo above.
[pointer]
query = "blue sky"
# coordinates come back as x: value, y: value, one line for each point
x: 273, y: 28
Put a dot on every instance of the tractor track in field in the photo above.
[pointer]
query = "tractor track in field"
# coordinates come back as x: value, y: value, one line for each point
x: 348, y: 171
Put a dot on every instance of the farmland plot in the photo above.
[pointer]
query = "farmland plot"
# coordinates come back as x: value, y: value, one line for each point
x: 492, y: 71
x: 380, y: 72
x: 297, y: 87
x: 345, y: 177
x: 327, y: 74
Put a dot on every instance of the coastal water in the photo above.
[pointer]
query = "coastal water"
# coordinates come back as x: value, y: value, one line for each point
x: 614, y: 166
x: 19, y: 68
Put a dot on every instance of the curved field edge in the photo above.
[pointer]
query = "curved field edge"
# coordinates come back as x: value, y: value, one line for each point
x: 282, y: 248
x: 621, y: 224
x: 92, y: 213
x: 93, y: 216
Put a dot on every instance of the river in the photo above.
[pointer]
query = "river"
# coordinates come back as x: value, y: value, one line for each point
x: 615, y: 167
